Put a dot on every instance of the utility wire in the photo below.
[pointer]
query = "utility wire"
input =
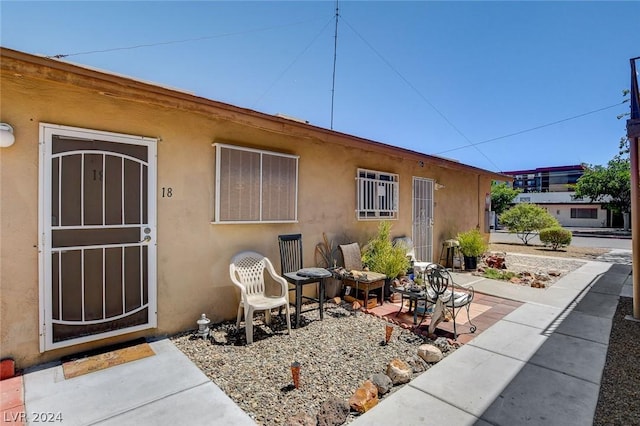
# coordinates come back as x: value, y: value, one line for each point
x: 187, y: 40
x: 532, y: 128
x: 335, y: 57
x: 424, y: 98
x: 292, y: 63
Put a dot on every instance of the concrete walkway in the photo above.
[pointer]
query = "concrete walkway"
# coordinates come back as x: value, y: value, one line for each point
x: 541, y: 364
x: 164, y: 389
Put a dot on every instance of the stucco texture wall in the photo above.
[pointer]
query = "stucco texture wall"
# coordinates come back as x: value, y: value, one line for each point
x: 193, y: 253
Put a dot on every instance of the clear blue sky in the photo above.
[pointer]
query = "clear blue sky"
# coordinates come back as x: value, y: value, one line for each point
x: 433, y: 77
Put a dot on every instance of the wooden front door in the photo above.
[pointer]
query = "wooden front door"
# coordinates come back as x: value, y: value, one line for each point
x: 98, y: 232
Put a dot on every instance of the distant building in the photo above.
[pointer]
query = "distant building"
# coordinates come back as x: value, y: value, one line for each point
x: 551, y: 188
x: 547, y: 179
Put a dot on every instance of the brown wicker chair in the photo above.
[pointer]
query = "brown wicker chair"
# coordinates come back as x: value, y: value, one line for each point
x: 359, y: 279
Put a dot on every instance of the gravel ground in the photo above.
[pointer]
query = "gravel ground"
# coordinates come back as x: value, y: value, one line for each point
x: 518, y: 262
x: 258, y: 378
x: 619, y: 400
x: 336, y: 355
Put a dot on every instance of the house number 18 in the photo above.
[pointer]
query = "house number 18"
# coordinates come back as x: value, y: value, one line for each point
x: 167, y: 192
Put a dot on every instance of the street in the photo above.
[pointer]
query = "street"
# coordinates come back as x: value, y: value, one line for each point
x: 502, y: 236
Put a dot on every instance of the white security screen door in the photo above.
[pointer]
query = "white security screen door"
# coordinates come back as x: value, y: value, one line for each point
x: 423, y: 218
x: 98, y: 232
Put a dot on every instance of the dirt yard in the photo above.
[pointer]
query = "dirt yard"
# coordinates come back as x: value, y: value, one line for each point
x: 587, y: 253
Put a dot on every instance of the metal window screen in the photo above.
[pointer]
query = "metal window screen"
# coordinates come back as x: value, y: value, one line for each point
x: 377, y: 195
x: 255, y: 186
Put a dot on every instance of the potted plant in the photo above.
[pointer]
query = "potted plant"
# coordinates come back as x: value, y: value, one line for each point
x: 472, y: 245
x: 382, y: 256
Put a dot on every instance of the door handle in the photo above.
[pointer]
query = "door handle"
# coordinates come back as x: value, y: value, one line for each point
x: 146, y: 239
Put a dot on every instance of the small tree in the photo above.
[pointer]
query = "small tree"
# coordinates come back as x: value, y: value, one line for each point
x: 501, y: 196
x: 526, y: 219
x: 610, y: 185
x: 556, y: 237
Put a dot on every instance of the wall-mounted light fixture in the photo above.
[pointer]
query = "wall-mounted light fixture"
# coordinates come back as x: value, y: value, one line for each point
x: 6, y: 135
x: 439, y: 186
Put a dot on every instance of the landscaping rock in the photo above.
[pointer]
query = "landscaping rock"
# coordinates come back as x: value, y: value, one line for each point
x: 399, y: 371
x: 417, y: 364
x: 365, y: 397
x: 301, y: 419
x: 496, y: 260
x: 333, y: 412
x: 541, y: 276
x: 430, y: 353
x: 382, y: 382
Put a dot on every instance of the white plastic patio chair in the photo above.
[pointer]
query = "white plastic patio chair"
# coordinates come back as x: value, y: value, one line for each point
x: 247, y: 272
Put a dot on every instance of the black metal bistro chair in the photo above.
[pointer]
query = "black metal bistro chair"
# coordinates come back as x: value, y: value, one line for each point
x: 451, y: 295
x: 297, y: 276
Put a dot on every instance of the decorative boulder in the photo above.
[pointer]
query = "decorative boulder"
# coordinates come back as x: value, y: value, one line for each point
x: 365, y: 397
x: 430, y: 353
x: 382, y: 382
x: 496, y: 260
x: 333, y: 412
x: 417, y: 364
x: 399, y: 371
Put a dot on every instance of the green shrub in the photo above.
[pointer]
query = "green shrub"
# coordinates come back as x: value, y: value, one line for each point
x: 496, y: 274
x: 556, y: 236
x: 526, y: 219
x: 472, y: 243
x: 381, y: 255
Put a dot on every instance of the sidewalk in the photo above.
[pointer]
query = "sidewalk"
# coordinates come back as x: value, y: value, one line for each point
x: 539, y: 365
x: 166, y: 388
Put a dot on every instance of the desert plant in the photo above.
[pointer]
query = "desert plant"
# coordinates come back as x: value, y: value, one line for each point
x: 472, y: 243
x: 556, y: 237
x: 381, y: 255
x: 326, y: 253
x: 497, y: 274
x: 526, y: 219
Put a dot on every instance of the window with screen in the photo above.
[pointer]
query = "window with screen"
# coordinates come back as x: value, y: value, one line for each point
x: 377, y: 195
x: 255, y: 186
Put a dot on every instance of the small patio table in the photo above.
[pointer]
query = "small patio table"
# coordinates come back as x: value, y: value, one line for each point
x: 414, y: 297
x: 302, y: 277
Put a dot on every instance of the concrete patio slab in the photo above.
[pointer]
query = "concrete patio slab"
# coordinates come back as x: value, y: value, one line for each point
x: 598, y: 304
x: 177, y: 409
x: 539, y: 396
x: 572, y: 356
x: 585, y: 326
x: 115, y: 391
x: 528, y: 340
x: 536, y: 315
x: 469, y: 379
x: 413, y: 407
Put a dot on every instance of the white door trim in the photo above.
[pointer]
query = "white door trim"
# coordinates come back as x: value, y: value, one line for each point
x: 423, y: 243
x: 46, y: 133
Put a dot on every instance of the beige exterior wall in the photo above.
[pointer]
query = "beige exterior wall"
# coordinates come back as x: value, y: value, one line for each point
x: 193, y: 254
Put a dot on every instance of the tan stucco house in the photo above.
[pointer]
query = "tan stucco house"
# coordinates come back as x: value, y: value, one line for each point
x: 122, y: 203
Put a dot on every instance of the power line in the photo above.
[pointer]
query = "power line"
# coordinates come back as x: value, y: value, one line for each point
x: 335, y: 57
x: 293, y: 62
x: 531, y: 129
x: 444, y: 117
x: 187, y: 40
